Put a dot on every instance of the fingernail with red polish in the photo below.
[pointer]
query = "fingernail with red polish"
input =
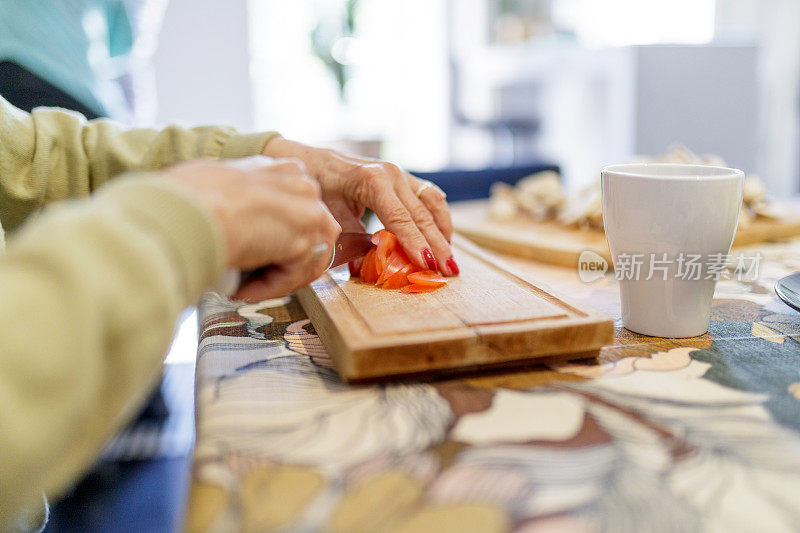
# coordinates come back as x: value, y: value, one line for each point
x: 451, y: 264
x: 427, y: 255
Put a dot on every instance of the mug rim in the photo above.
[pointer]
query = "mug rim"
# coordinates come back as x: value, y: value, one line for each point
x: 628, y: 170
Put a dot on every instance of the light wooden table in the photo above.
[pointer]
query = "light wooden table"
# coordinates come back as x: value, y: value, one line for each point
x: 657, y: 434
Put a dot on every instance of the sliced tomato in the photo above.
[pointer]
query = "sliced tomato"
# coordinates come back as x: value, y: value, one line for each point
x: 395, y: 262
x: 388, y: 266
x: 376, y: 265
x: 417, y: 288
x: 399, y: 279
x: 383, y: 235
x: 386, y: 244
x: 427, y: 277
x: 369, y: 273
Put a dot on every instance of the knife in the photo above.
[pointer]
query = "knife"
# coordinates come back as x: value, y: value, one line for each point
x: 348, y: 247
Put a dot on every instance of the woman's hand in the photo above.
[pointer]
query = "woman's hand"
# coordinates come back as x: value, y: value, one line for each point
x: 417, y: 214
x: 271, y: 214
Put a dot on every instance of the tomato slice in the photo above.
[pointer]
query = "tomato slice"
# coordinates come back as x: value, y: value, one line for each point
x: 376, y: 265
x: 396, y: 261
x: 386, y: 244
x: 399, y: 279
x: 427, y: 277
x: 415, y: 288
x: 388, y: 266
x: 369, y: 274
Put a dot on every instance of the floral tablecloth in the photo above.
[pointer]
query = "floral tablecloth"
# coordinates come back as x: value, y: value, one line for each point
x: 697, y: 434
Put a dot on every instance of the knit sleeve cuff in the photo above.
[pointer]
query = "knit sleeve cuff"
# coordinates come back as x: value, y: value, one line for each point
x: 245, y: 145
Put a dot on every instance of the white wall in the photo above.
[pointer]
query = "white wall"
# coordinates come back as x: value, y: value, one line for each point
x: 397, y: 88
x: 774, y: 25
x: 705, y: 97
x: 202, y: 64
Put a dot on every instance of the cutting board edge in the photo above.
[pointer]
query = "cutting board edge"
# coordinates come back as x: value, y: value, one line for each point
x: 491, y: 346
x: 324, y: 325
x: 468, y: 371
x: 479, y: 357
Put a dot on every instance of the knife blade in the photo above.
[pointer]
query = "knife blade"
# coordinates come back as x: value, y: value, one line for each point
x: 350, y: 246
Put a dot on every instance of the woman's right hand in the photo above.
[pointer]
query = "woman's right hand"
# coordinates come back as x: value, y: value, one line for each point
x: 271, y: 214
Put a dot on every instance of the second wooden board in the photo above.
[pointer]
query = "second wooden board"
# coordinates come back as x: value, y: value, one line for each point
x: 550, y: 242
x: 487, y: 316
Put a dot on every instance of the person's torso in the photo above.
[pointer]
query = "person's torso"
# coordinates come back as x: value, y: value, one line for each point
x: 76, y: 45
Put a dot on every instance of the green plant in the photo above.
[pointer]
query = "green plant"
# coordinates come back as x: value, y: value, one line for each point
x: 325, y: 35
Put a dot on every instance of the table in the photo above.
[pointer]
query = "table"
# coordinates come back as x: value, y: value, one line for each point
x: 656, y: 434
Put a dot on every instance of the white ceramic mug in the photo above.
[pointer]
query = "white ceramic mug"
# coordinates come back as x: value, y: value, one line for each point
x: 671, y: 218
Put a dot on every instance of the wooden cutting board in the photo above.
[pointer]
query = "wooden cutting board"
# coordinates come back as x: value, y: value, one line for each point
x: 488, y: 316
x: 550, y: 242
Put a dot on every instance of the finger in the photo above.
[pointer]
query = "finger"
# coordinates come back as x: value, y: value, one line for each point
x: 284, y: 279
x: 396, y: 218
x: 435, y: 200
x: 424, y: 220
x: 301, y: 273
x: 262, y: 288
x: 329, y: 226
x: 316, y: 230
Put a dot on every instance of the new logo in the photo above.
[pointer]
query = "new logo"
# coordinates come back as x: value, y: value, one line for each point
x: 591, y: 266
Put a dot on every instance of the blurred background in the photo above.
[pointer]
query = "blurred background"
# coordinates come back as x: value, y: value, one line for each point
x: 466, y: 92
x: 471, y: 84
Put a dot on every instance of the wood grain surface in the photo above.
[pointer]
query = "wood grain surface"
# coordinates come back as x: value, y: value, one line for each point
x: 490, y: 315
x: 550, y: 242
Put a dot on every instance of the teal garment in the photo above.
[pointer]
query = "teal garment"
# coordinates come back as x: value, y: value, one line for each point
x: 78, y: 46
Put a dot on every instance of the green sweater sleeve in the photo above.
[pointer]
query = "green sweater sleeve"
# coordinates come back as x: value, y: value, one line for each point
x: 91, y: 291
x: 52, y: 154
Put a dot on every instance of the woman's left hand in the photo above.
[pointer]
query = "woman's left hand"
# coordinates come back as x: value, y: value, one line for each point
x: 414, y: 210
